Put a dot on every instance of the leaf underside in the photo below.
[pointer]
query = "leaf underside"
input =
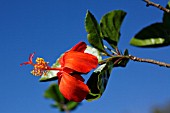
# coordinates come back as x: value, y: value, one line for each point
x: 155, y: 35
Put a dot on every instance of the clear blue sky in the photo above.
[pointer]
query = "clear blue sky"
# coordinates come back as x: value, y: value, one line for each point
x: 50, y: 27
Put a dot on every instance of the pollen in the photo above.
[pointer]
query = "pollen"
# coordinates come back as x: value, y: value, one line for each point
x: 40, y: 67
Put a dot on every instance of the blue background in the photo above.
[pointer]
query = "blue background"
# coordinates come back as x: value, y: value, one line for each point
x: 50, y: 27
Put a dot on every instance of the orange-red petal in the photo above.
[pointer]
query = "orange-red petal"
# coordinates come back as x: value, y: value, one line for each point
x: 80, y: 47
x: 80, y: 62
x: 72, y: 88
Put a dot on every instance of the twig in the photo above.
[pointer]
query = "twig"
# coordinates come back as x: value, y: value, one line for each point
x: 149, y: 61
x: 149, y: 3
x: 116, y: 57
x: 64, y: 106
x: 110, y: 50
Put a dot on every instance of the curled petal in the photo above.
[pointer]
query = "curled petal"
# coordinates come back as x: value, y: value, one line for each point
x: 80, y: 62
x: 80, y: 47
x: 72, y: 88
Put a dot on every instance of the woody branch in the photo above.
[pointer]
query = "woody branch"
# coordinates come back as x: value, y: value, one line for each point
x: 131, y: 57
x: 149, y: 3
x: 149, y: 61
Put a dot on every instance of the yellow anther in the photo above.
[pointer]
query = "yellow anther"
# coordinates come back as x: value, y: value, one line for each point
x: 40, y: 61
x: 40, y: 67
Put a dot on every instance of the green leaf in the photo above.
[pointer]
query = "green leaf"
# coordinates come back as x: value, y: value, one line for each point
x: 123, y: 62
x: 110, y: 26
x: 72, y: 105
x: 93, y: 30
x: 98, y: 81
x: 155, y: 35
x: 166, y: 17
x: 49, y: 76
x: 119, y: 61
x: 53, y: 93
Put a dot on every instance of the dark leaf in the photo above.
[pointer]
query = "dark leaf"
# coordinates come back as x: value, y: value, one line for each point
x: 110, y: 26
x: 123, y: 62
x: 118, y: 61
x: 155, y: 35
x: 98, y: 81
x: 166, y: 17
x: 93, y: 30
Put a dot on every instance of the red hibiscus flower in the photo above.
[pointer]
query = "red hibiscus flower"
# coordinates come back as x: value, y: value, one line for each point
x: 73, y: 63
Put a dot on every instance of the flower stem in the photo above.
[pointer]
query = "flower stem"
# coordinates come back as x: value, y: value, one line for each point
x: 137, y: 59
x: 64, y: 106
x: 54, y: 68
x: 119, y: 57
x: 113, y: 52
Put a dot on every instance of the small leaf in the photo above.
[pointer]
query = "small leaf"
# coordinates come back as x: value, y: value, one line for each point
x: 123, y: 62
x: 98, y: 81
x: 166, y: 17
x: 49, y: 76
x: 93, y: 30
x: 72, y: 105
x: 155, y: 35
x: 110, y: 26
x: 118, y: 61
x: 53, y: 93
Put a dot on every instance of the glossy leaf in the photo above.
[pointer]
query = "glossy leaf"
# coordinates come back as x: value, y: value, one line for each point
x: 110, y: 26
x: 166, y: 17
x: 155, y: 35
x: 98, y: 81
x: 93, y: 30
